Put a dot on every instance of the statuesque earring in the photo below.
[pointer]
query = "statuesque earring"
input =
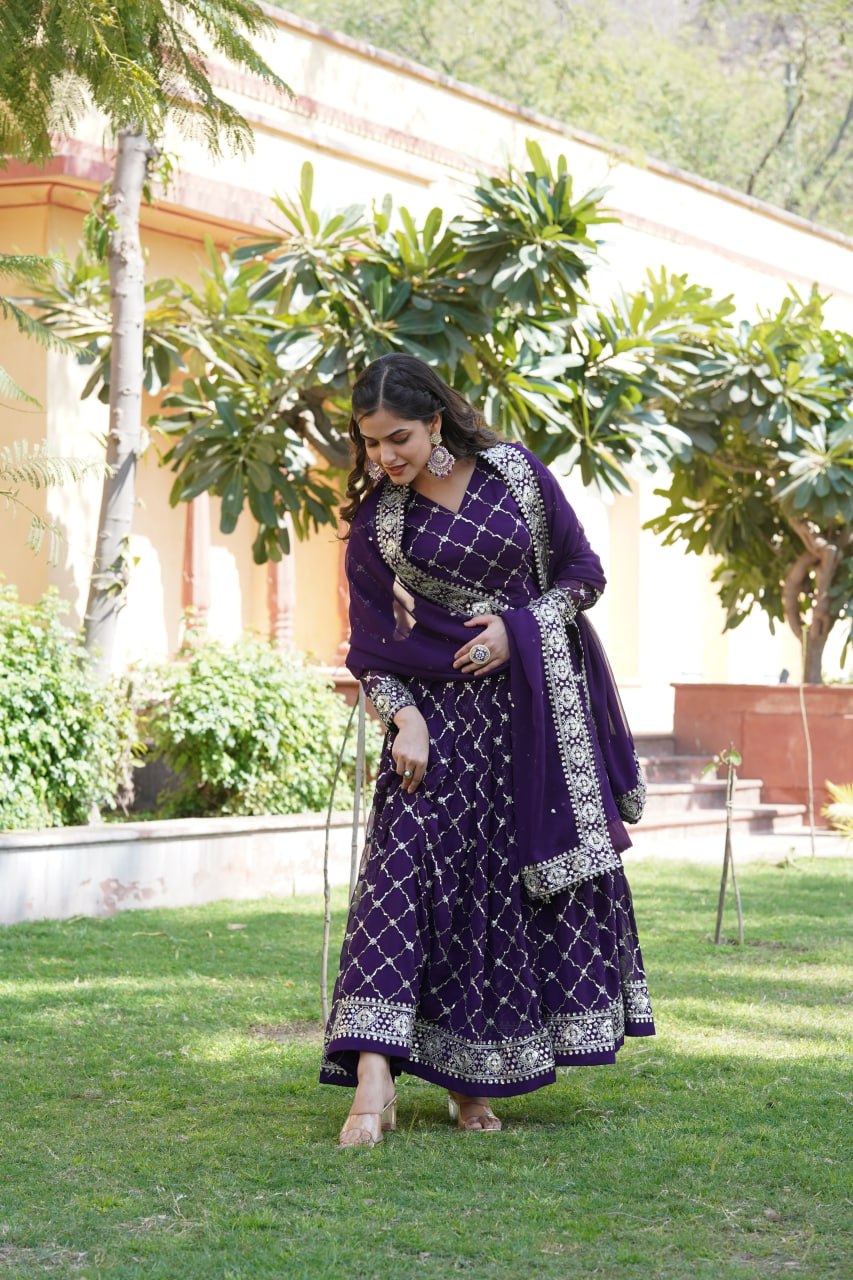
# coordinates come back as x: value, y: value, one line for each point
x: 374, y: 470
x: 441, y: 461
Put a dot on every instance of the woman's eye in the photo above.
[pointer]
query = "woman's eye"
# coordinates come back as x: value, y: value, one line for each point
x: 374, y: 444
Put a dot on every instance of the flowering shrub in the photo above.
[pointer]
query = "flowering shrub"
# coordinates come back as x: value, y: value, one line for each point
x: 66, y: 738
x: 248, y: 731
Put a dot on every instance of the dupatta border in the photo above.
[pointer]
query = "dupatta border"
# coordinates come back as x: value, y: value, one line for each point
x: 632, y: 803
x: 594, y: 853
x: 520, y: 479
x: 390, y: 514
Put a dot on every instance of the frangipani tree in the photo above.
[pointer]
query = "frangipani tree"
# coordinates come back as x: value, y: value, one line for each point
x: 766, y: 480
x: 141, y: 63
x: 496, y: 299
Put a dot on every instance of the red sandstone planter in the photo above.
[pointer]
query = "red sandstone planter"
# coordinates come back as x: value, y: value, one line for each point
x: 765, y: 724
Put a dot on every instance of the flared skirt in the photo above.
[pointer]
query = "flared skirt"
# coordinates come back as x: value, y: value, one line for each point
x: 447, y: 966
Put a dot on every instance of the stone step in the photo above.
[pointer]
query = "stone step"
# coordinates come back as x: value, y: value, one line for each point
x: 773, y: 819
x: 680, y: 768
x: 684, y: 796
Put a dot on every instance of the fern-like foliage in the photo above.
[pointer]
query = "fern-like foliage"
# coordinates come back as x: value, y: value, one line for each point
x: 36, y: 467
x: 12, y: 390
x: 33, y: 328
x: 137, y: 62
x: 25, y: 266
x: 33, y: 270
x: 24, y: 464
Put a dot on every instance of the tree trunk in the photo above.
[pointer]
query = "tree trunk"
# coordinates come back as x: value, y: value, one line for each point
x: 813, y: 656
x: 111, y: 569
x: 821, y: 557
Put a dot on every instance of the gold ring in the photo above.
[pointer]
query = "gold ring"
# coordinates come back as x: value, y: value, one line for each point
x: 479, y: 654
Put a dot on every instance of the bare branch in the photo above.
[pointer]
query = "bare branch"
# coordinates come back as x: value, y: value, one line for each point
x: 806, y: 535
x: 839, y: 138
x: 429, y: 44
x: 776, y: 144
x: 840, y: 168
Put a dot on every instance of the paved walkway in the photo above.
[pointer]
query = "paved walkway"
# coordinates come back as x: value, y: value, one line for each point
x: 746, y: 847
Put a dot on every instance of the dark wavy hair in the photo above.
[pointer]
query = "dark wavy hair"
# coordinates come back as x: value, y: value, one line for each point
x: 410, y: 388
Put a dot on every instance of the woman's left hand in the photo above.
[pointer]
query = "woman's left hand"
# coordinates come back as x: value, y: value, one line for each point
x: 493, y: 636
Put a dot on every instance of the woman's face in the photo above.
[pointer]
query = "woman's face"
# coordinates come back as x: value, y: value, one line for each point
x: 401, y: 446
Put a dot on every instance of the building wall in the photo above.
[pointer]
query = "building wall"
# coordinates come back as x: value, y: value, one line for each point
x: 372, y: 123
x: 23, y: 229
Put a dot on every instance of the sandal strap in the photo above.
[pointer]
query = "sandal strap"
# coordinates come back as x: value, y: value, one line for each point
x: 388, y: 1104
x: 474, y: 1102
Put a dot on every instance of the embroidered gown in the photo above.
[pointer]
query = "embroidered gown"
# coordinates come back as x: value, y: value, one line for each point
x: 462, y: 962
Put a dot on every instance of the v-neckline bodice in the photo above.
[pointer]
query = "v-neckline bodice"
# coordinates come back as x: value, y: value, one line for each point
x: 443, y: 506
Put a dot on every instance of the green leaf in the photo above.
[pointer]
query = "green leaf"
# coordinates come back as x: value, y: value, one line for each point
x: 233, y: 497
x: 408, y: 223
x: 261, y: 505
x: 431, y: 228
x: 540, y: 165
x: 259, y: 474
x: 306, y: 184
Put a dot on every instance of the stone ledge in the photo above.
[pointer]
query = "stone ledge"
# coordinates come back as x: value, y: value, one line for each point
x: 167, y: 829
x: 109, y: 867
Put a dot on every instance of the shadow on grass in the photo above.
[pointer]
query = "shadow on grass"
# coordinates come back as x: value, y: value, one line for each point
x: 153, y: 1126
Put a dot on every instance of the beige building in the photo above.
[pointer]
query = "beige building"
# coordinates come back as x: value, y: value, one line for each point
x: 373, y: 123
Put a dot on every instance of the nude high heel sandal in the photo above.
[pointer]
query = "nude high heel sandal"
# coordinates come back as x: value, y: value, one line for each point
x: 470, y: 1125
x: 377, y: 1124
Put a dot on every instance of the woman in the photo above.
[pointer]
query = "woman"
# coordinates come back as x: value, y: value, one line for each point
x: 491, y: 935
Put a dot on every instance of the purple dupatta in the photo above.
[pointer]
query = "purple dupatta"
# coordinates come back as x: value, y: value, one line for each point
x: 576, y: 773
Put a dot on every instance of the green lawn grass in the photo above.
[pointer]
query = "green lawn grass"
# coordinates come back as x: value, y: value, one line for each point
x: 147, y: 1128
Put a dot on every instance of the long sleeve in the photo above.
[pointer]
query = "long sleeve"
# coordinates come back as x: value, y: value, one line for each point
x: 388, y: 693
x: 571, y: 598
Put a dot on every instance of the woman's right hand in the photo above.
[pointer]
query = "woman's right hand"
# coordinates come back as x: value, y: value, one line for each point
x: 410, y: 749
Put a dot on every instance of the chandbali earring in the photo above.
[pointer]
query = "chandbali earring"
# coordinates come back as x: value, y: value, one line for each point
x: 374, y: 470
x: 441, y: 461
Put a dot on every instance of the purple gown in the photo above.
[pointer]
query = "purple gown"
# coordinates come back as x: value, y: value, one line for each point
x: 472, y: 958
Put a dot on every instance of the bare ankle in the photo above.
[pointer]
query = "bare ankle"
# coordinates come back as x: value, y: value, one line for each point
x: 373, y: 1067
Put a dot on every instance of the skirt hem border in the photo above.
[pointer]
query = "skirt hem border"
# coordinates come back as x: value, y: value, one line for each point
x: 401, y: 1062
